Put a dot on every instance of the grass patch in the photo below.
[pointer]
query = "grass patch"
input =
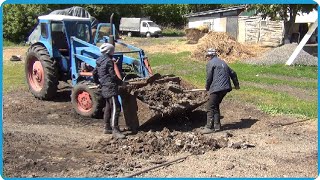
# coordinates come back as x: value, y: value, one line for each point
x: 271, y: 102
x: 13, y: 76
x: 169, y: 31
x: 259, y: 74
x: 180, y: 65
x: 8, y: 43
x: 276, y: 102
x: 278, y: 69
x: 141, y: 41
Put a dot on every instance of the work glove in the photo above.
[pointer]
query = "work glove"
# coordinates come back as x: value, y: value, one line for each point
x: 124, y: 83
x: 123, y: 87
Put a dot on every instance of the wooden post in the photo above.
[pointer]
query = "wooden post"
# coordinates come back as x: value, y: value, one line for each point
x: 302, y: 43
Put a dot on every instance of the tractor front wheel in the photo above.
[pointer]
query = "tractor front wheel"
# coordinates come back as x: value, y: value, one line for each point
x: 41, y: 73
x: 87, y: 102
x: 148, y: 35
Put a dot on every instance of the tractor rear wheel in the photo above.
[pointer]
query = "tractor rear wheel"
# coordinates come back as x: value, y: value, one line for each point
x: 41, y: 73
x: 87, y: 102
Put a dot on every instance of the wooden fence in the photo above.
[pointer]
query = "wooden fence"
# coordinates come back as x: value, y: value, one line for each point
x: 257, y: 30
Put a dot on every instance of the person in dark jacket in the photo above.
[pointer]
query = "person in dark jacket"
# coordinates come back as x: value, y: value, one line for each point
x: 218, y: 85
x: 109, y: 83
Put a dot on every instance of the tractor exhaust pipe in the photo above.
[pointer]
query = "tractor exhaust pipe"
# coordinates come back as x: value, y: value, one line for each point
x: 111, y: 36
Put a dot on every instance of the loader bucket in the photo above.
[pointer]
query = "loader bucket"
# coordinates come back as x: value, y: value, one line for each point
x: 160, y: 98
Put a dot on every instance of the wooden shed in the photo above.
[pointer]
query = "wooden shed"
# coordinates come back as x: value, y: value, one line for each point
x: 218, y: 20
x: 240, y: 24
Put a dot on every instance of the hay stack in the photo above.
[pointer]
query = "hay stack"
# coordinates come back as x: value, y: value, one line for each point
x: 194, y: 34
x: 228, y: 48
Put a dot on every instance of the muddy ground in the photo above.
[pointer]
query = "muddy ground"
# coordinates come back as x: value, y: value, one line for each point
x: 47, y: 139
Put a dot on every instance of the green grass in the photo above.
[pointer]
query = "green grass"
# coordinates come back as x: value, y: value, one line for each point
x: 272, y: 102
x: 8, y: 43
x: 13, y: 76
x: 266, y: 75
x: 278, y: 69
x: 142, y: 41
x: 169, y: 31
x: 180, y: 65
x: 276, y: 102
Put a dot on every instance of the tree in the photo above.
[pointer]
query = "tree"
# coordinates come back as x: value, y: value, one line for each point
x: 20, y: 19
x: 285, y: 12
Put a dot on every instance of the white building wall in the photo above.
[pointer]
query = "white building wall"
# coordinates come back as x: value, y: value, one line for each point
x: 215, y: 23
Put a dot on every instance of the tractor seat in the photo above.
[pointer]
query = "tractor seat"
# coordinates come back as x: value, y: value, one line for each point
x: 59, y: 41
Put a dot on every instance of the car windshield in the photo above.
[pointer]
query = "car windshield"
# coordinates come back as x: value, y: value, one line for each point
x: 152, y: 24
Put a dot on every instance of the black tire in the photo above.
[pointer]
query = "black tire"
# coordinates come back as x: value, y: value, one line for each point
x: 49, y: 76
x: 148, y: 35
x: 98, y: 102
x: 129, y: 34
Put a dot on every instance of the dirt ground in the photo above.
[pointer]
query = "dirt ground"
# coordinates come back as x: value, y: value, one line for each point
x: 48, y: 139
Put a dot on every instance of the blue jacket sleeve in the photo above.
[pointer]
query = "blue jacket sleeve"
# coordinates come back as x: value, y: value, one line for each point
x: 209, y: 69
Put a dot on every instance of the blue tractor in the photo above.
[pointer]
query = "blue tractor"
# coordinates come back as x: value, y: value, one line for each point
x: 64, y: 49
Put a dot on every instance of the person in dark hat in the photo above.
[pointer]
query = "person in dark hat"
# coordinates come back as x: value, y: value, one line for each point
x: 217, y: 85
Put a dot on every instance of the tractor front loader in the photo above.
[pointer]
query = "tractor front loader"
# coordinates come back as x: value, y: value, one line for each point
x: 64, y: 49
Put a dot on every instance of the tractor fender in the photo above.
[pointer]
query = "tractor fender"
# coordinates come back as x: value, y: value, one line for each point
x: 54, y: 54
x: 46, y: 45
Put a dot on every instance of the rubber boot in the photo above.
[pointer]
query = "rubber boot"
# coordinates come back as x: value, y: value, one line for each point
x: 117, y: 134
x: 207, y: 129
x: 216, y: 122
x: 107, y: 129
x: 221, y: 117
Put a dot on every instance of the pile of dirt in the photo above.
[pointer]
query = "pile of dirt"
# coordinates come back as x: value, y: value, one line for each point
x: 168, y: 97
x: 162, y: 143
x: 228, y: 48
x: 194, y: 34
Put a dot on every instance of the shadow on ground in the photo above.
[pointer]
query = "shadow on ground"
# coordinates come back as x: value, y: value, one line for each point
x: 63, y: 95
x: 242, y: 124
x: 194, y: 120
x: 311, y: 49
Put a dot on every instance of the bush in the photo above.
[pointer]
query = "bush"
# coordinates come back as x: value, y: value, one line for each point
x: 169, y: 31
x: 20, y: 19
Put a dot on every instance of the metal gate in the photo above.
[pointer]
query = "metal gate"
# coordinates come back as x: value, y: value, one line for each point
x: 232, y: 26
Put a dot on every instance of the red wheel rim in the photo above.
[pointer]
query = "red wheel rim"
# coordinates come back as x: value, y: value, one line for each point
x: 84, y: 101
x: 35, y: 74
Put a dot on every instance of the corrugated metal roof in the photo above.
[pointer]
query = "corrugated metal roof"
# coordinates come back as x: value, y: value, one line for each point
x: 203, y: 13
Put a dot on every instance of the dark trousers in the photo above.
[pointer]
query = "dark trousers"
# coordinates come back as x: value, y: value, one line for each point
x: 112, y: 112
x: 213, y: 107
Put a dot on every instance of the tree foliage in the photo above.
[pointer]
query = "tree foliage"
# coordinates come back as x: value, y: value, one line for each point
x: 285, y: 12
x: 20, y: 19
